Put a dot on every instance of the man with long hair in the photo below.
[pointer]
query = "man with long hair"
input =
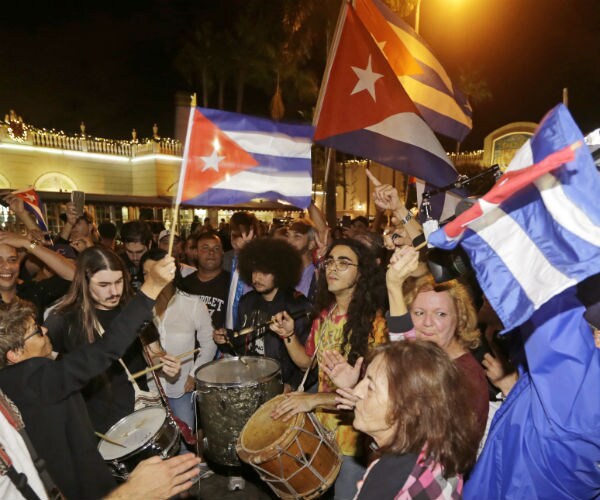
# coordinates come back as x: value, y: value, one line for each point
x: 97, y: 294
x: 349, y: 302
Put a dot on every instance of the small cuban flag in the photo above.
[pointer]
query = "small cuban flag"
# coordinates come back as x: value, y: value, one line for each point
x: 230, y: 158
x: 33, y: 204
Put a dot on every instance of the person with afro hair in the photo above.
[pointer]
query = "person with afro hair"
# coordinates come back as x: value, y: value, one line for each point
x: 272, y: 267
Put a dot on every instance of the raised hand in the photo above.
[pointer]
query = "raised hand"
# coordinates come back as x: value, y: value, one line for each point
x: 403, y: 263
x: 341, y: 373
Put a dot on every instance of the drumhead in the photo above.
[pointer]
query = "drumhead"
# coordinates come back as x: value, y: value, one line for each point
x: 132, y: 431
x: 232, y: 372
x: 261, y: 433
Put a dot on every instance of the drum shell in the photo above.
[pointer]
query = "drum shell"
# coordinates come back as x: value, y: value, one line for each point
x: 299, y: 459
x: 164, y: 443
x: 228, y: 394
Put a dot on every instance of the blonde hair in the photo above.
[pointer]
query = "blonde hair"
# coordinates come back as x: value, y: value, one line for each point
x: 466, y: 332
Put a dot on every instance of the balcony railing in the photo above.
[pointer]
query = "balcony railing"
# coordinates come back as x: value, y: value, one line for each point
x: 14, y: 130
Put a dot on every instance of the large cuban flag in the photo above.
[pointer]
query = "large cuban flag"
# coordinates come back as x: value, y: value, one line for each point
x: 539, y: 235
x: 364, y: 110
x: 530, y: 244
x: 230, y: 158
x: 441, y: 104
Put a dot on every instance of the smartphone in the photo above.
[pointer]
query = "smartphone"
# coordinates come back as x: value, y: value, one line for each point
x: 78, y: 199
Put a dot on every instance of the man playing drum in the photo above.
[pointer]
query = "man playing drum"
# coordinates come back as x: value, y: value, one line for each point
x: 273, y: 267
x: 99, y: 291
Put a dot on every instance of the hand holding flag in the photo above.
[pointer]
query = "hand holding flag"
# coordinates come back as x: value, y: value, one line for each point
x: 27, y: 199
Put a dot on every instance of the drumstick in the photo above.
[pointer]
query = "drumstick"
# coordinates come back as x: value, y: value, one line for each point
x: 109, y: 440
x: 160, y: 365
x: 422, y: 245
x: 250, y: 329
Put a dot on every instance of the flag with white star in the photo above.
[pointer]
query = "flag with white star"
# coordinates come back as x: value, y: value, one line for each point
x: 364, y: 110
x: 230, y: 158
x: 440, y: 102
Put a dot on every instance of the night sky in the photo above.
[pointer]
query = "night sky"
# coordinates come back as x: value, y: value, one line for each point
x: 113, y: 66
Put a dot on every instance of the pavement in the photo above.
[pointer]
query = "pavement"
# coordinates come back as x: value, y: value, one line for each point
x: 215, y: 487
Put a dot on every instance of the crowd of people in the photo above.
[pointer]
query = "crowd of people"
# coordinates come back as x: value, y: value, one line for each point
x: 390, y: 361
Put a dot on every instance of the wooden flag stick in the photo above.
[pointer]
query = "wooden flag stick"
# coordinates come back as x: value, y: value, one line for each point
x: 160, y: 365
x: 182, y: 172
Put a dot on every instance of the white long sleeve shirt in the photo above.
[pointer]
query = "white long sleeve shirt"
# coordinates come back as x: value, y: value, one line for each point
x: 185, y: 316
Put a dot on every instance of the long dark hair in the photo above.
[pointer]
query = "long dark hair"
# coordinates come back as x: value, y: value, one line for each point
x: 79, y: 299
x: 429, y: 405
x: 367, y: 299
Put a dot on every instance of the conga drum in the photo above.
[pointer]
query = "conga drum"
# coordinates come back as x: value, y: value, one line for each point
x: 296, y: 458
x: 228, y: 393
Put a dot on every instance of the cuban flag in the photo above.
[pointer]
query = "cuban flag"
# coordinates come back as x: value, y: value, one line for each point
x: 441, y: 104
x: 34, y: 205
x: 529, y: 250
x: 538, y: 231
x: 230, y: 158
x: 363, y: 109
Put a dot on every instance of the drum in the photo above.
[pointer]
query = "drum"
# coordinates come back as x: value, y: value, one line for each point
x: 297, y: 458
x: 228, y: 393
x: 144, y: 433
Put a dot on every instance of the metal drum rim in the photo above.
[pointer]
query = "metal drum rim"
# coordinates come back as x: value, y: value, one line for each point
x: 249, y: 383
x: 143, y: 446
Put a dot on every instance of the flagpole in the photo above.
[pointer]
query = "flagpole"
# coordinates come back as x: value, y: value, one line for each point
x: 333, y: 49
x: 182, y: 173
x: 330, y: 153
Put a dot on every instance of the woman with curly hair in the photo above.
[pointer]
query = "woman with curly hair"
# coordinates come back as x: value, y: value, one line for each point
x: 412, y: 403
x: 442, y: 313
x: 349, y: 322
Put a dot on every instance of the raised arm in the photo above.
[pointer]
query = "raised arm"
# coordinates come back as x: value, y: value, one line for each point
x: 17, y: 206
x: 63, y: 267
x: 75, y: 369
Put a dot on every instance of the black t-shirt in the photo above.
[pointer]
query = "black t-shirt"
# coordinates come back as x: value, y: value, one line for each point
x: 213, y: 293
x: 109, y: 397
x: 254, y: 310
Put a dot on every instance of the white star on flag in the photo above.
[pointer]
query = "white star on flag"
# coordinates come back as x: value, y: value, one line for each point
x: 366, y: 79
x: 30, y: 197
x: 212, y: 161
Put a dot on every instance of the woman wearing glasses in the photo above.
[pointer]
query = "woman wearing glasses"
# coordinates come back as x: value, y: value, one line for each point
x: 349, y: 302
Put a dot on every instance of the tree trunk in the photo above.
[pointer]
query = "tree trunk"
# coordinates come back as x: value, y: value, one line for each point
x: 330, y: 198
x: 221, y: 93
x: 239, y: 95
x: 204, y: 87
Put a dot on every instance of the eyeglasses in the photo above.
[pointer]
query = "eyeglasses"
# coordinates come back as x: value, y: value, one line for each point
x: 341, y: 265
x: 38, y: 331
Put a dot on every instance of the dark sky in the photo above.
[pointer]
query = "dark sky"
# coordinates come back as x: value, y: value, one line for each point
x: 112, y: 65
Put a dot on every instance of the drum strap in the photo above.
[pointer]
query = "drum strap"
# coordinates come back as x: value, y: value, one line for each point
x: 310, y: 366
x: 186, y: 432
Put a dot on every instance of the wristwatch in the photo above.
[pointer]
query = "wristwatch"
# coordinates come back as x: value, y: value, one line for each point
x: 32, y: 245
x: 407, y: 217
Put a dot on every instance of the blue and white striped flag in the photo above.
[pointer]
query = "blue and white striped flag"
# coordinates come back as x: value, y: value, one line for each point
x: 230, y: 158
x: 544, y: 238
